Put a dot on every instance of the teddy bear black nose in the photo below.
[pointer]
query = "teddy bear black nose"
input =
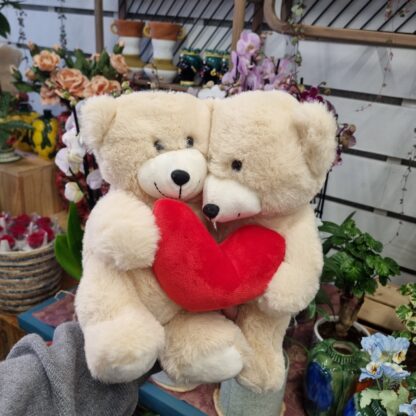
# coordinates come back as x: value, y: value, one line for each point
x: 211, y: 210
x: 180, y: 177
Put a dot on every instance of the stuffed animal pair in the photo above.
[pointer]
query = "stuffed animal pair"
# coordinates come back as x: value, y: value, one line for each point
x: 257, y: 158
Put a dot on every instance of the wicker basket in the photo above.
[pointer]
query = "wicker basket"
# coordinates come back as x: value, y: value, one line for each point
x: 27, y: 278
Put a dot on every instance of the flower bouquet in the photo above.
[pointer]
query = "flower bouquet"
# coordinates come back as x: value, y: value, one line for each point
x: 62, y: 77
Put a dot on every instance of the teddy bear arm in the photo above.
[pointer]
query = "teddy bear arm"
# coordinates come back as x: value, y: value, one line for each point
x: 121, y: 230
x: 122, y: 338
x: 296, y: 281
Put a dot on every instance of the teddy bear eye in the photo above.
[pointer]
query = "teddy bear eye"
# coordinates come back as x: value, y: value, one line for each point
x: 236, y: 165
x: 189, y: 141
x: 158, y: 145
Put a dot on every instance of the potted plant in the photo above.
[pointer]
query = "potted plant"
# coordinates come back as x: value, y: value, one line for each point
x: 353, y: 263
x: 407, y: 314
x: 385, y: 386
x: 9, y: 126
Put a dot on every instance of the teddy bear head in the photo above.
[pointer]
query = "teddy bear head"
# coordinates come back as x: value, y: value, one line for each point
x: 268, y: 154
x: 150, y: 143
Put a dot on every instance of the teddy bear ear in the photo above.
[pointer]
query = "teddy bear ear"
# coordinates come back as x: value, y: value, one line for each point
x: 96, y: 117
x: 317, y: 130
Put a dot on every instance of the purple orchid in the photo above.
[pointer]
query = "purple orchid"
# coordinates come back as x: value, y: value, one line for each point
x: 249, y: 44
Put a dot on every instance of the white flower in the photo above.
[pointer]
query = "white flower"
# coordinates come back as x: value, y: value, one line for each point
x: 71, y: 157
x: 72, y: 192
x: 94, y: 179
x: 214, y: 92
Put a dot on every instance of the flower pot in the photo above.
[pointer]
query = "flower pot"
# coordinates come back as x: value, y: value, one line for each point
x: 189, y: 65
x: 331, y: 375
x: 353, y: 408
x: 130, y: 33
x: 213, y: 66
x: 163, y: 36
x: 233, y: 399
x: 8, y: 155
x: 317, y: 333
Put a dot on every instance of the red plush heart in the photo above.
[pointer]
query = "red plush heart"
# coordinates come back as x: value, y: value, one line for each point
x: 201, y: 275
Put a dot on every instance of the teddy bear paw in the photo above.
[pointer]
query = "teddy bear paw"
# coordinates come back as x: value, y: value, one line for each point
x: 262, y: 379
x: 215, y: 367
x: 112, y: 360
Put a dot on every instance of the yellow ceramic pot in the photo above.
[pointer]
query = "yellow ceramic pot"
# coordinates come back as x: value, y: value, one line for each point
x: 23, y: 136
x: 44, y: 135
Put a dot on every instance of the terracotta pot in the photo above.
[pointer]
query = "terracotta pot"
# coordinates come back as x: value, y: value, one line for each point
x: 129, y: 28
x: 163, y: 31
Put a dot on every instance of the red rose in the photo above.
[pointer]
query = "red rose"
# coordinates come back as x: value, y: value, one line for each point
x: 23, y: 219
x: 9, y: 239
x: 49, y: 231
x: 35, y: 239
x: 18, y: 231
x: 44, y: 222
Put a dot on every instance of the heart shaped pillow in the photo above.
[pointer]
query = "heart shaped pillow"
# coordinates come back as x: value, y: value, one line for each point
x: 201, y: 275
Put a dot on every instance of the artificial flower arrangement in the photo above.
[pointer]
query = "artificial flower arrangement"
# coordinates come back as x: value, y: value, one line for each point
x: 63, y: 77
x: 384, y: 381
x: 26, y: 232
x: 252, y: 70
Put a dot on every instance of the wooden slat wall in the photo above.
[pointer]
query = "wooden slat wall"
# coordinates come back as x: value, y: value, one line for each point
x: 368, y: 181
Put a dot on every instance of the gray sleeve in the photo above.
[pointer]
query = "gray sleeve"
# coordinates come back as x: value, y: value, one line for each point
x: 37, y: 380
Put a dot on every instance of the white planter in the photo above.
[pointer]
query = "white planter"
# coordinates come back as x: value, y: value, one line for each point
x: 163, y: 49
x: 163, y: 75
x: 131, y: 45
x: 317, y: 336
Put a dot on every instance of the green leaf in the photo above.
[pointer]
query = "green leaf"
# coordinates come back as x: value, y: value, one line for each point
x: 75, y: 233
x: 4, y: 26
x: 367, y: 396
x: 329, y: 227
x: 322, y: 298
x: 15, y: 124
x: 24, y: 87
x: 66, y: 258
x: 391, y: 400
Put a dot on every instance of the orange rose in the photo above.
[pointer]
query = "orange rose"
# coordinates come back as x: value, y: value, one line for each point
x: 98, y: 85
x: 48, y: 96
x: 30, y: 75
x: 114, y: 87
x: 71, y: 80
x: 46, y: 61
x: 119, y: 63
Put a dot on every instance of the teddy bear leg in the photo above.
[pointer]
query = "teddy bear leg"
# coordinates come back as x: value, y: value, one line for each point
x: 202, y: 348
x: 264, y: 369
x: 122, y: 338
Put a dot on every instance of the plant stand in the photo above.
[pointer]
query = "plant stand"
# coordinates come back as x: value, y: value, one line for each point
x: 28, y: 186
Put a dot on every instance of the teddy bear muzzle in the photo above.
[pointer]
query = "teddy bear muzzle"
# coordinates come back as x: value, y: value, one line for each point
x: 178, y: 174
x: 227, y: 200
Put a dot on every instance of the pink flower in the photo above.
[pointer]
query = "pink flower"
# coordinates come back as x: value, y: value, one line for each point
x: 70, y: 80
x: 119, y: 63
x: 46, y: 61
x: 48, y: 96
x: 248, y: 44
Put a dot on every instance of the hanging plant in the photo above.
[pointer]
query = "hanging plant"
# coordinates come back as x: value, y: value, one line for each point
x: 4, y: 23
x: 62, y: 28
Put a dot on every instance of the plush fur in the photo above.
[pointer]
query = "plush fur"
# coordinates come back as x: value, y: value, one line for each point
x: 285, y: 149
x: 127, y: 319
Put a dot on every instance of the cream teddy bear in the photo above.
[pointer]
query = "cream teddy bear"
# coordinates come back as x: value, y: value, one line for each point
x: 148, y: 145
x: 268, y: 157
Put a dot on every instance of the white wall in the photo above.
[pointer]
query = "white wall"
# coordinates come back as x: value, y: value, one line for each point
x: 383, y: 130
